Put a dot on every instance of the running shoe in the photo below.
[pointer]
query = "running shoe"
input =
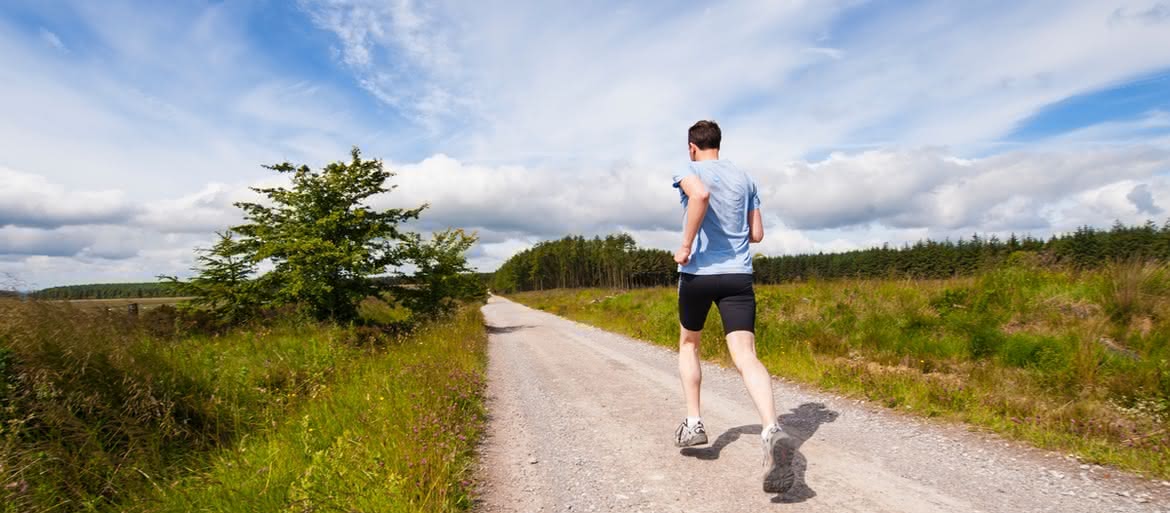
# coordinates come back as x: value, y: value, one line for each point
x: 688, y: 436
x: 778, y: 474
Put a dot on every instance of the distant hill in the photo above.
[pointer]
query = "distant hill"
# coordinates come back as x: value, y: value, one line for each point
x: 105, y: 291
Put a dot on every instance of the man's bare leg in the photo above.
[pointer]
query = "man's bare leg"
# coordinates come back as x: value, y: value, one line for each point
x: 688, y: 368
x: 742, y: 345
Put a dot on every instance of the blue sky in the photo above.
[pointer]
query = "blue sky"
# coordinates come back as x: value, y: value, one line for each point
x: 1127, y: 101
x: 127, y: 129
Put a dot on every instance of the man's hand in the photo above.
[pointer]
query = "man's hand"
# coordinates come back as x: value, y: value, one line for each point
x: 682, y: 255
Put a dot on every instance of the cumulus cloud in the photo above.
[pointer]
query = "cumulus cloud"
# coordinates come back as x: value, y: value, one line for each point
x: 933, y: 189
x: 1141, y: 198
x: 29, y: 200
x: 209, y: 210
x: 845, y: 201
x: 534, y: 201
x: 109, y: 242
x: 23, y: 241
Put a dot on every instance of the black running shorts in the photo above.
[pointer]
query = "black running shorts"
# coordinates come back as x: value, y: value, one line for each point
x: 732, y: 293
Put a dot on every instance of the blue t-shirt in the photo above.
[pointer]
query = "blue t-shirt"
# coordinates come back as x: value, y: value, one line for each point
x: 721, y: 246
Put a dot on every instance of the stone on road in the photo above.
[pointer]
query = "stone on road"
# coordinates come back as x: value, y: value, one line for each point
x: 582, y: 420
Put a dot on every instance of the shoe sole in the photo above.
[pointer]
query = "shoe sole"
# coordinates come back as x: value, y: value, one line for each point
x: 696, y: 441
x: 778, y: 474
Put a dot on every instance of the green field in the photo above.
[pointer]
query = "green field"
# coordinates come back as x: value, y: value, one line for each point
x: 1072, y: 361
x: 97, y: 414
x: 144, y: 303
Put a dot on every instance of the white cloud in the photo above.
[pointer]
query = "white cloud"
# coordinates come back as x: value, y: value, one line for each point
x: 52, y: 40
x: 844, y: 202
x: 178, y: 101
x: 1116, y: 132
x: 398, y: 51
x: 929, y: 188
x: 29, y: 200
x: 588, y: 82
x: 542, y: 119
x: 536, y: 201
x: 207, y: 211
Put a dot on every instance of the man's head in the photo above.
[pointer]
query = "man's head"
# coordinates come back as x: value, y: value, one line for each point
x: 704, y: 138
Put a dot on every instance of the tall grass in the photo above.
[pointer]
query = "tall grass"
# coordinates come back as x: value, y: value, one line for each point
x: 395, y: 434
x: 97, y: 413
x: 1065, y: 360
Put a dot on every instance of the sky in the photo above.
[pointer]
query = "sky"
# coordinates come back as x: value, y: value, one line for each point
x: 128, y: 129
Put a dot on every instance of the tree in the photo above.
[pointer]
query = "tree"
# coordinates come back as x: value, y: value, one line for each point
x: 324, y: 241
x: 222, y: 285
x: 442, y: 277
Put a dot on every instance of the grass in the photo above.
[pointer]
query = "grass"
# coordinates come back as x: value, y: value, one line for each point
x: 97, y: 414
x: 1075, y: 362
x: 144, y: 303
x: 393, y: 435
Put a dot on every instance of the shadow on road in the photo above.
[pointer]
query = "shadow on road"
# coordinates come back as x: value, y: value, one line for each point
x: 499, y: 330
x: 800, y: 425
x: 711, y: 452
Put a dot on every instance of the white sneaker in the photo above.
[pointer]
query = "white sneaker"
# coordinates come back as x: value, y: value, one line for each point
x: 778, y: 449
x: 687, y: 436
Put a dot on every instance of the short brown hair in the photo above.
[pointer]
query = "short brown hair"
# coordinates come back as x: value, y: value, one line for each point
x: 705, y: 135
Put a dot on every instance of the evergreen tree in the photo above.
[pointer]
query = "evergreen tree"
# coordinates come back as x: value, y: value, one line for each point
x: 222, y: 284
x: 325, y: 242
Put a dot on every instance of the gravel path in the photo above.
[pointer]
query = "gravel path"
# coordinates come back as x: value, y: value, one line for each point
x: 582, y: 420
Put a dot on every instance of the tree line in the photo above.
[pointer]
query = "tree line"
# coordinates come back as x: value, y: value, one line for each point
x: 617, y: 262
x: 104, y: 291
x: 574, y: 261
x: 1085, y: 248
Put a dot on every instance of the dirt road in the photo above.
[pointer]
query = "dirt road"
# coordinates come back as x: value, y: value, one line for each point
x: 582, y: 420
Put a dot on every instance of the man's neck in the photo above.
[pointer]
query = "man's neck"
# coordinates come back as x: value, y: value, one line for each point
x: 707, y: 155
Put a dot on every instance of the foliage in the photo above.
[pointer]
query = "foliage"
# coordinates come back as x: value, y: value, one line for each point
x: 328, y: 251
x: 1086, y: 248
x: 616, y: 262
x: 95, y: 410
x: 574, y: 261
x: 105, y: 291
x: 324, y: 241
x: 396, y: 433
x: 442, y: 277
x: 96, y: 414
x: 223, y: 286
x: 1068, y: 359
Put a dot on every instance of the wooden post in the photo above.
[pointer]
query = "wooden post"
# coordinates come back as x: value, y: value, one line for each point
x: 132, y: 309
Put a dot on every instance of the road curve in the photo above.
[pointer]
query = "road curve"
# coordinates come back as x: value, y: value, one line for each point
x: 582, y: 420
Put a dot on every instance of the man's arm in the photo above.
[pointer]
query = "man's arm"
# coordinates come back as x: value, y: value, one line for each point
x: 697, y: 199
x: 756, y: 222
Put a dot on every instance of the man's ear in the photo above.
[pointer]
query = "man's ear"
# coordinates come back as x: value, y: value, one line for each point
x: 692, y: 150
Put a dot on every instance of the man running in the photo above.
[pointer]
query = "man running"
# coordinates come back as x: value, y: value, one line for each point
x: 721, y: 217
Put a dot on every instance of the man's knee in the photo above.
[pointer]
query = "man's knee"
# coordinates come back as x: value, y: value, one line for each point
x: 742, y: 346
x: 688, y: 338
